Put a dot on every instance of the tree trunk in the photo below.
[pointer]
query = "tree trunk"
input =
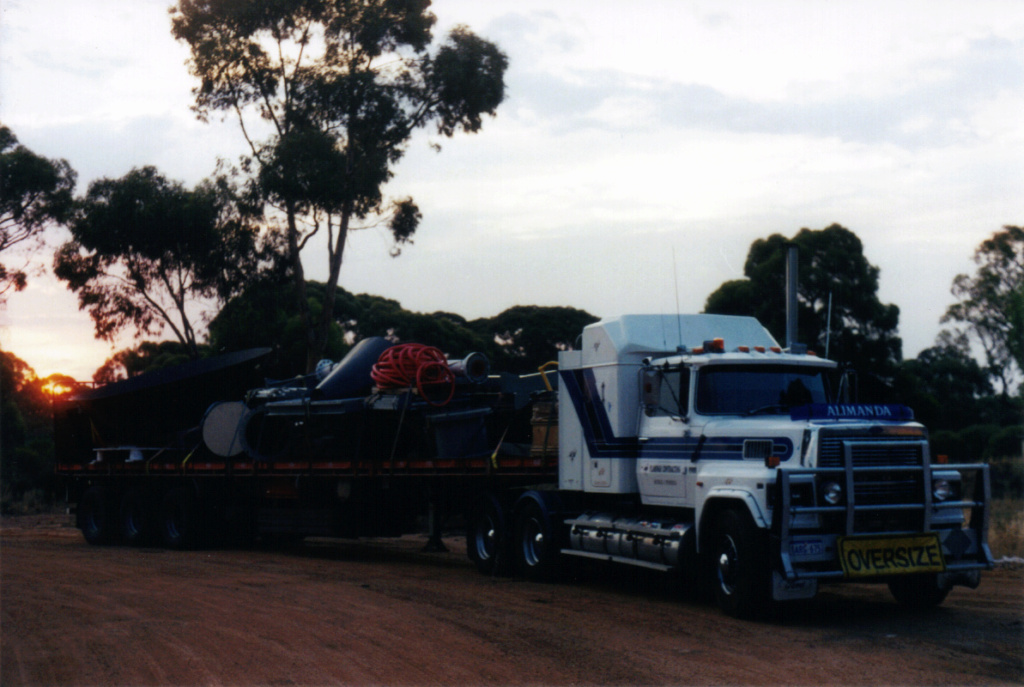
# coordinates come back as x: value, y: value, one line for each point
x: 319, y: 337
x: 299, y: 277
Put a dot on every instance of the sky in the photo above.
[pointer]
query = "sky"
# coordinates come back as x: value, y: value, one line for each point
x: 642, y: 147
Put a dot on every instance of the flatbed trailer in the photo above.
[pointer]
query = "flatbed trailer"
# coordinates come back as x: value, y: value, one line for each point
x: 288, y: 461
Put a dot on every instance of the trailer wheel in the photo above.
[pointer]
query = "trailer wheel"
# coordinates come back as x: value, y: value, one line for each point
x: 96, y: 516
x: 137, y: 518
x: 487, y: 538
x: 179, y: 519
x: 918, y: 591
x: 536, y: 545
x: 740, y: 565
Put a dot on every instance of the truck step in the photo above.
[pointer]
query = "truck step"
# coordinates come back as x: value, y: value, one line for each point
x: 618, y: 559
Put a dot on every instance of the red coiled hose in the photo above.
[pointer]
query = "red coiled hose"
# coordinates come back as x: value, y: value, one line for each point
x: 412, y: 364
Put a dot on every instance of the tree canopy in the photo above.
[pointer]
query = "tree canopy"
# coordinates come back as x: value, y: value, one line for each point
x: 991, y: 304
x: 517, y: 340
x: 145, y: 251
x: 328, y: 94
x: 832, y: 268
x: 944, y: 385
x: 528, y: 336
x: 34, y: 192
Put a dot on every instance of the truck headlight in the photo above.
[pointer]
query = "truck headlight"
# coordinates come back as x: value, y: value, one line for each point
x: 832, y: 493
x: 941, y: 489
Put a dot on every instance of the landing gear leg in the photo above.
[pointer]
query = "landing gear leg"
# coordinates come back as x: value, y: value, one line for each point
x: 435, y: 523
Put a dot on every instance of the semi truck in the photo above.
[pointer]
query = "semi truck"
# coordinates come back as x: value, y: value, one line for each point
x: 689, y: 444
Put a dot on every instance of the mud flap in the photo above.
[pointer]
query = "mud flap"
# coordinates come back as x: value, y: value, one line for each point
x: 783, y: 590
x: 964, y: 578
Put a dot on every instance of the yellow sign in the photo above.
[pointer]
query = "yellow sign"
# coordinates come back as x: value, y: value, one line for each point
x: 900, y: 555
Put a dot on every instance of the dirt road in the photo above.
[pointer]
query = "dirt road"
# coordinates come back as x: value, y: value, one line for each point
x: 383, y: 612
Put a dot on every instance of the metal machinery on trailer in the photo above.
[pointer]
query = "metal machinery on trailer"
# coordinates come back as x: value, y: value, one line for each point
x: 161, y: 458
x: 689, y: 444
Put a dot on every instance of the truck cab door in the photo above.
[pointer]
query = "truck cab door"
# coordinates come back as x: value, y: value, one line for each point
x: 666, y: 445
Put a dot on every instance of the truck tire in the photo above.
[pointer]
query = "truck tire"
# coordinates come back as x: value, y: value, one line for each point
x: 487, y: 538
x: 179, y: 519
x: 741, y: 574
x: 919, y: 592
x: 96, y: 517
x: 137, y: 519
x: 536, y: 543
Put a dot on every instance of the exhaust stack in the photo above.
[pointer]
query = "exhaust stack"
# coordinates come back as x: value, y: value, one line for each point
x: 792, y: 253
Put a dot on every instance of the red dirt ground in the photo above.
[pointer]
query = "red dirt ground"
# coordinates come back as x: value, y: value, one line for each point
x: 382, y: 612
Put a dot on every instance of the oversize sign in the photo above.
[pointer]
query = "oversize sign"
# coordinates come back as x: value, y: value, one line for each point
x: 902, y: 555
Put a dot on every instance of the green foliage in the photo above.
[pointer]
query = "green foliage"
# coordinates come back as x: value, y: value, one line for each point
x: 465, y: 80
x: 365, y: 315
x: 518, y: 340
x: 34, y: 192
x: 1008, y: 441
x: 984, y: 442
x: 530, y: 335
x: 991, y: 304
x: 264, y: 316
x: 343, y: 85
x: 944, y: 385
x: 145, y: 252
x: 831, y: 264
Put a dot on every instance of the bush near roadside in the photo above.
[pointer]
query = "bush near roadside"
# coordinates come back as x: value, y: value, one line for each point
x: 1006, y: 528
x: 978, y: 443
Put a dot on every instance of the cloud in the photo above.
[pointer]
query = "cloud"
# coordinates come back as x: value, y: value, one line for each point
x: 933, y: 110
x: 630, y: 129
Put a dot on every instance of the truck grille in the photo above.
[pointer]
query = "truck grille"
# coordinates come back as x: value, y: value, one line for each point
x: 869, y: 452
x: 877, y: 488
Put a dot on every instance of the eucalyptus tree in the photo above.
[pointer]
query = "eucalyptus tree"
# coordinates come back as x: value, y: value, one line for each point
x: 837, y: 298
x: 35, y: 192
x: 145, y: 252
x: 527, y: 336
x: 328, y: 94
x: 990, y: 304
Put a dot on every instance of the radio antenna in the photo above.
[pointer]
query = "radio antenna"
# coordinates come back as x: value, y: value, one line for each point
x: 679, y: 315
x: 828, y: 326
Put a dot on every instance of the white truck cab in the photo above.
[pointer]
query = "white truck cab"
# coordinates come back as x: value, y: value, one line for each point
x: 697, y: 441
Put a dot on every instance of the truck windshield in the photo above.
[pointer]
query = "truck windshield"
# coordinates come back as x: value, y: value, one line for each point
x: 752, y: 389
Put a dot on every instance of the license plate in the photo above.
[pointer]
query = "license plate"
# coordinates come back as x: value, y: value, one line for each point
x: 901, y: 555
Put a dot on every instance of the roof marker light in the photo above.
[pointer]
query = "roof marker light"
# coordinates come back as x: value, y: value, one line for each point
x: 743, y: 349
x: 775, y: 349
x: 759, y: 349
x: 715, y: 345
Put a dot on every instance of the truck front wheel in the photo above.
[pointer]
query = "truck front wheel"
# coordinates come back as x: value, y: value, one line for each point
x: 918, y: 591
x: 740, y: 566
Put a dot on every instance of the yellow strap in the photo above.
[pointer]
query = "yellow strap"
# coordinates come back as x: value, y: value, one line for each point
x: 543, y: 368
